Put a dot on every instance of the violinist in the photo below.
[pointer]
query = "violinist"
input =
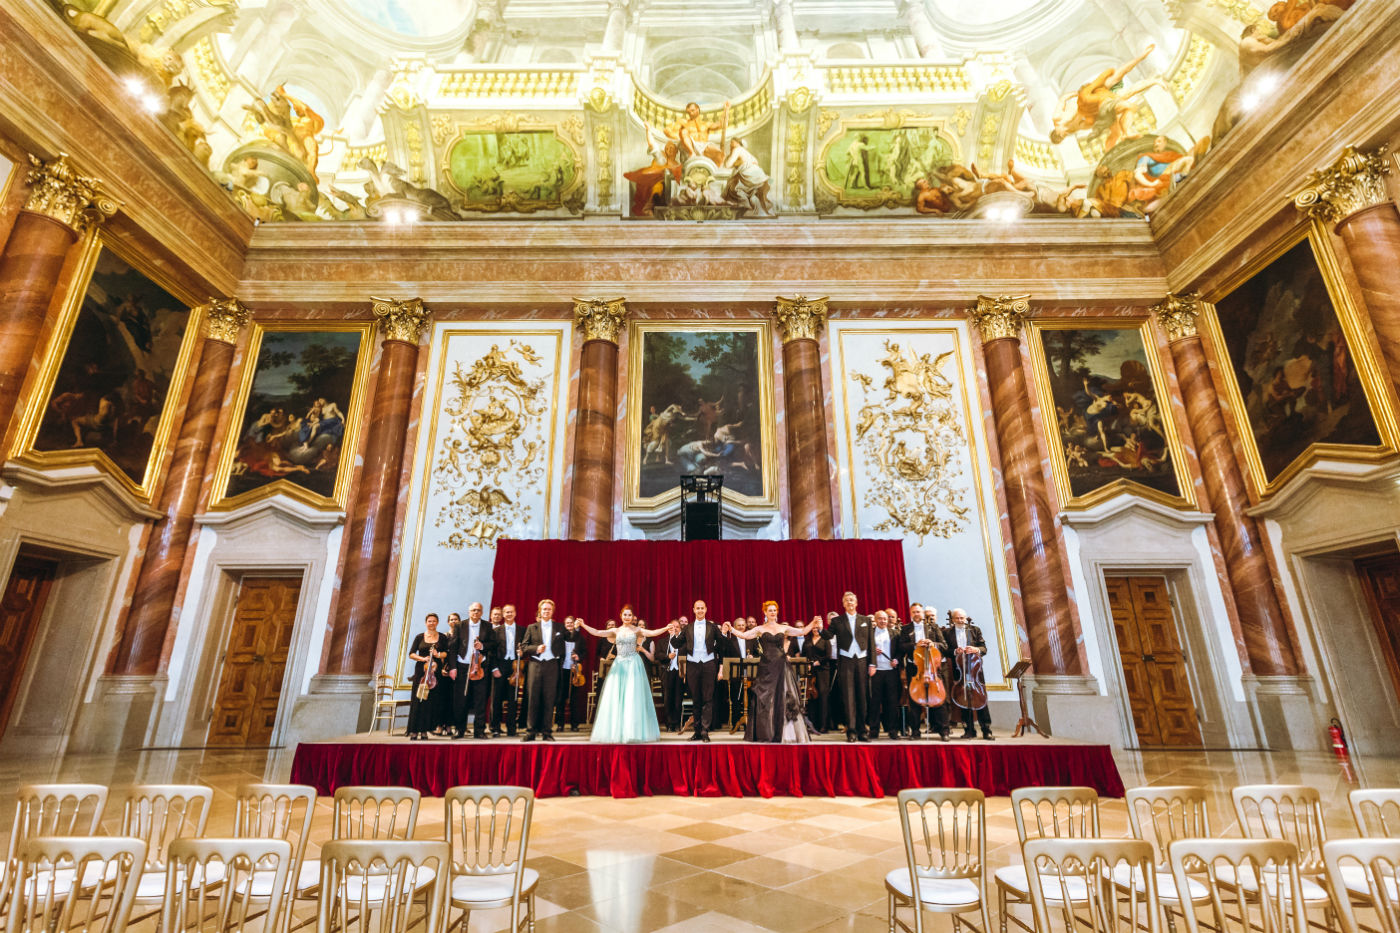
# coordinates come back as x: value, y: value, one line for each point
x: 964, y: 638
x: 428, y: 651
x: 884, y: 679
x: 471, y: 688
x: 567, y: 705
x: 672, y: 687
x: 922, y: 630
x: 816, y: 648
x: 506, y: 671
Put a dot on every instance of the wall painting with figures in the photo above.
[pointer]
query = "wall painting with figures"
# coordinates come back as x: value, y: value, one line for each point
x: 700, y: 402
x: 298, y: 413
x: 1303, y: 379
x: 1112, y: 427
x: 113, y: 372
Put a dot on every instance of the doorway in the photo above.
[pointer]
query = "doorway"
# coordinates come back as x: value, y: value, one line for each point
x: 1154, y: 664
x: 255, y: 660
x: 21, y: 608
x: 1380, y: 578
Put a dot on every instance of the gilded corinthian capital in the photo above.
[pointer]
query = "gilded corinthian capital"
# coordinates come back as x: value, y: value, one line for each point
x: 223, y: 319
x: 799, y: 318
x: 1353, y: 183
x: 57, y: 191
x: 600, y: 318
x: 999, y: 316
x: 1177, y: 314
x: 401, y: 319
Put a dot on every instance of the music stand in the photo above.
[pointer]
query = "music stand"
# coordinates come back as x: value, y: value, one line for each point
x: 700, y: 507
x: 1025, y: 724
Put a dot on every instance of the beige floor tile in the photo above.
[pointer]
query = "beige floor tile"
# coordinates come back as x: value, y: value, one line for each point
x: 709, y: 832
x: 779, y: 910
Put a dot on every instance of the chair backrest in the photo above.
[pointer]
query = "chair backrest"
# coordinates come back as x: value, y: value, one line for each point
x: 1072, y: 885
x: 158, y: 814
x: 276, y: 811
x: 1253, y: 884
x: 1291, y: 812
x: 51, y: 810
x: 78, y: 884
x: 361, y: 877
x: 383, y: 688
x: 1055, y: 812
x: 225, y: 887
x: 488, y: 829
x: 374, y: 812
x: 1378, y: 862
x: 945, y: 835
x: 1376, y: 811
x: 1162, y: 815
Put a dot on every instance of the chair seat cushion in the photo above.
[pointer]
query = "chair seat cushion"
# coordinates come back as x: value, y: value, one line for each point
x: 1014, y: 878
x: 1354, y: 878
x: 939, y: 892
x: 151, y: 887
x: 1123, y: 875
x: 1313, y: 893
x: 490, y: 889
x: 379, y: 886
x: 308, y: 876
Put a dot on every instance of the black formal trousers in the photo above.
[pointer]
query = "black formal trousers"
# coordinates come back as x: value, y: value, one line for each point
x: 884, y: 703
x: 542, y: 688
x: 700, y: 681
x: 570, y: 703
x: 855, y: 692
x: 504, y: 705
x: 470, y: 697
x: 671, y: 697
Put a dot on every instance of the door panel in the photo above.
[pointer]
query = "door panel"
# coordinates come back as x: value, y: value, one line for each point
x: 1154, y: 665
x: 250, y: 688
x: 1380, y: 578
x: 21, y: 608
x: 1136, y: 679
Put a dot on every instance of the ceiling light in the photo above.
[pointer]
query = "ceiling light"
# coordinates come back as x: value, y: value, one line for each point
x: 1268, y: 81
x: 152, y: 103
x: 1249, y: 101
x: 134, y: 85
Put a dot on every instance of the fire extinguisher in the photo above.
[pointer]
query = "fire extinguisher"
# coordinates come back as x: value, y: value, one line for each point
x: 1339, y: 740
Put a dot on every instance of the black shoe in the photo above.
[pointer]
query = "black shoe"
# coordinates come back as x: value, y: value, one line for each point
x: 573, y: 728
x: 511, y: 733
x: 697, y: 737
x: 968, y: 735
x: 864, y: 738
x: 988, y: 736
x: 496, y: 733
x: 850, y: 736
x: 705, y: 737
x: 943, y: 736
x: 548, y: 736
x: 529, y: 737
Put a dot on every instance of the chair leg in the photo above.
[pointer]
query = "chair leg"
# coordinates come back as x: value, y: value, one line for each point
x: 1001, y: 909
x: 530, y: 915
x: 889, y: 908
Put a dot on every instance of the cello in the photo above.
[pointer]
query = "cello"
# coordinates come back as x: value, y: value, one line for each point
x: 926, y: 686
x: 970, y: 685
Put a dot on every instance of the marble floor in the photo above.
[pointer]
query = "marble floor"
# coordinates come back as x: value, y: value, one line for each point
x: 794, y: 865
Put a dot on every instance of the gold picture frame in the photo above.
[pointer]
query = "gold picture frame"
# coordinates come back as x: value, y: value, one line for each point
x: 636, y: 334
x: 1171, y: 439
x: 830, y: 195
x: 28, y: 436
x: 1375, y: 385
x: 335, y: 502
x: 569, y: 197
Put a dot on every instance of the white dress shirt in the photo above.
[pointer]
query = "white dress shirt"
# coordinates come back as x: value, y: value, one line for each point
x: 743, y: 648
x: 568, y: 654
x: 960, y: 633
x: 547, y: 635
x: 510, y: 641
x: 883, y: 653
x: 473, y: 630
x: 700, y: 653
x: 855, y: 650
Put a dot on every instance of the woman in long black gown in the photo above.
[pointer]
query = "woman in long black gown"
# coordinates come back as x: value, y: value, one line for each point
x: 775, y: 705
x: 429, y: 647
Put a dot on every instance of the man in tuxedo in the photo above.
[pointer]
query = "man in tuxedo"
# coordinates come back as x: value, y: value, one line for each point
x: 922, y: 628
x: 962, y: 636
x: 567, y: 708
x: 543, y: 651
x: 806, y: 647
x: 668, y: 659
x: 506, y: 638
x: 473, y: 640
x: 729, y: 695
x: 851, y: 632
x: 702, y: 643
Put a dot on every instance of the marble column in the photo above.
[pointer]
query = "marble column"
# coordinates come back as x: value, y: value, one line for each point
x: 365, y: 576
x: 616, y: 27
x: 62, y: 206
x: 153, y: 602
x: 921, y: 28
x: 786, y: 26
x: 595, y: 429
x: 1351, y: 195
x: 799, y: 320
x: 1050, y: 624
x: 1262, y: 625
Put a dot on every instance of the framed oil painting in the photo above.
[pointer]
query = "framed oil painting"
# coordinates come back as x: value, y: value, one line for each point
x: 1303, y: 380
x: 113, y: 372
x: 297, y: 414
x: 1112, y: 428
x: 700, y: 401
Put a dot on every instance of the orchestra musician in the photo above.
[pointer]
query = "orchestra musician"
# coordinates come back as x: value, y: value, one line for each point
x: 701, y: 641
x: 962, y: 636
x: 809, y: 647
x: 884, y: 679
x: 922, y: 628
x: 729, y: 696
x: 505, y: 664
x: 473, y: 644
x: 851, y: 634
x: 428, y: 651
x: 668, y: 658
x: 542, y: 649
x: 568, y: 707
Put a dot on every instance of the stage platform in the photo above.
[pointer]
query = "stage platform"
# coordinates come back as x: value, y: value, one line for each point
x: 725, y: 767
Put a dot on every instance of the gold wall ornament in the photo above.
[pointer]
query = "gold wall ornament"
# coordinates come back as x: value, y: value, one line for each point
x: 1177, y: 314
x: 911, y: 434
x: 1000, y: 316
x: 224, y: 318
x: 1353, y: 183
x: 57, y: 191
x: 799, y: 318
x: 600, y: 318
x: 495, y: 435
x: 401, y: 319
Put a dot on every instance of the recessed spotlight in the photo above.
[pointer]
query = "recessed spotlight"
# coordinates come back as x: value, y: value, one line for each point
x: 134, y: 85
x: 1249, y: 101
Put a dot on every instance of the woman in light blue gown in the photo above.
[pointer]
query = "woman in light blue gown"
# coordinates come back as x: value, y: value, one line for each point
x: 626, y: 712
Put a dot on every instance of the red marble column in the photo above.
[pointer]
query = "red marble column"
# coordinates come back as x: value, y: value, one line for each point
x: 153, y: 603
x: 1050, y: 624
x: 61, y: 205
x: 1262, y: 624
x: 809, y: 476
x: 365, y: 576
x: 595, y: 430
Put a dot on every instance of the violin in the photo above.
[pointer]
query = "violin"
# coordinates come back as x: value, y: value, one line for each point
x: 925, y: 685
x: 429, y: 680
x: 475, y: 672
x: 970, y: 687
x: 576, y: 679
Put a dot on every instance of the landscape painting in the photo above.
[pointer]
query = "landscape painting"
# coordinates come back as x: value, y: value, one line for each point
x: 522, y: 170
x: 297, y: 413
x: 118, y: 367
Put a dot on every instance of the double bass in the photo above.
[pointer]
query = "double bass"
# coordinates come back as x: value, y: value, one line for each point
x: 970, y: 685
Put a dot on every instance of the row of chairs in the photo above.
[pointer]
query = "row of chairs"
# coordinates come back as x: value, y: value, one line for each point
x: 61, y: 874
x: 1074, y: 880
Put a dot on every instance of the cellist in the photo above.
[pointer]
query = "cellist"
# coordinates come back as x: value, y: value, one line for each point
x: 962, y: 636
x: 922, y: 628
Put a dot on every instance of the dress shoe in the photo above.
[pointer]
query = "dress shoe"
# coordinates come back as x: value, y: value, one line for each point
x: 943, y: 736
x: 696, y: 737
x: 850, y: 737
x: 987, y: 734
x: 969, y: 734
x: 549, y: 736
x: 529, y: 737
x: 573, y: 728
x: 705, y: 737
x: 864, y: 738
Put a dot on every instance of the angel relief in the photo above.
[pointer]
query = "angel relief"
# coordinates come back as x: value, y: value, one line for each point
x: 495, y: 414
x: 911, y: 436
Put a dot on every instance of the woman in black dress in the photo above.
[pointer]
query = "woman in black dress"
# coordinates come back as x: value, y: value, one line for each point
x: 429, y: 647
x: 775, y: 706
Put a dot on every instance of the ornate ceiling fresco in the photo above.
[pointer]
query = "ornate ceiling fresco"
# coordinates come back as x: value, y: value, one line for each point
x: 402, y: 111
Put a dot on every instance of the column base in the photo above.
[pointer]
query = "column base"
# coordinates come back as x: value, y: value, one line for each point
x: 1284, y: 712
x: 336, y: 705
x: 1069, y: 706
x: 122, y: 714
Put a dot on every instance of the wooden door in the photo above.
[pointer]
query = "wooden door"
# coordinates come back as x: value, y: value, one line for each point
x: 250, y: 688
x: 1154, y: 666
x: 1380, y: 576
x: 21, y: 607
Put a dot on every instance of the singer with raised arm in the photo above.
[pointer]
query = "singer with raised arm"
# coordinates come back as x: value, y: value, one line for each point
x: 775, y: 710
x: 626, y: 712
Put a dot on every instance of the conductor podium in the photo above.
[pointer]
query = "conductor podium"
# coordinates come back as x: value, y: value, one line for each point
x: 700, y: 502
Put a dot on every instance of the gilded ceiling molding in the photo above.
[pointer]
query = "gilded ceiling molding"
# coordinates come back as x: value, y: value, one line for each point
x: 1000, y: 316
x: 1353, y: 183
x: 600, y: 318
x: 224, y: 319
x: 800, y: 318
x: 401, y: 319
x: 1177, y: 315
x: 74, y: 200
